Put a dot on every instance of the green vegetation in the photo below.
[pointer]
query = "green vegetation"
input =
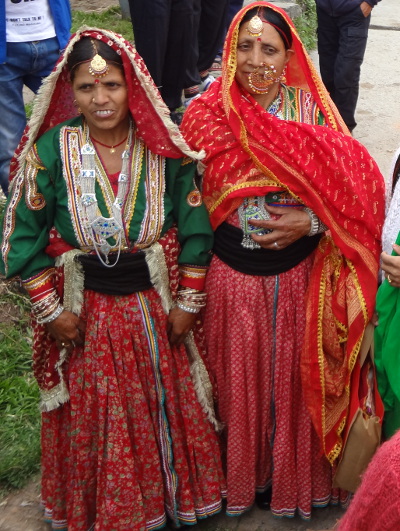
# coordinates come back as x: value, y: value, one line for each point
x: 306, y: 24
x: 19, y: 414
x: 110, y: 19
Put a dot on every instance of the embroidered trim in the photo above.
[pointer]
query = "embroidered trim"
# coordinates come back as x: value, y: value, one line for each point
x: 34, y: 200
x: 153, y: 218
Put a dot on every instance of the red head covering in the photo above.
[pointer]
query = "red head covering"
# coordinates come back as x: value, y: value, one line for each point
x: 54, y: 102
x: 249, y: 152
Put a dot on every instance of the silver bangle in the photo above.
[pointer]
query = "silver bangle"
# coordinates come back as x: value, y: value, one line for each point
x: 316, y: 224
x: 187, y: 308
x: 52, y: 317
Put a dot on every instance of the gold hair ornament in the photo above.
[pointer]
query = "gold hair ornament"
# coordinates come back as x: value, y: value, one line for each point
x: 255, y: 26
x: 98, y: 66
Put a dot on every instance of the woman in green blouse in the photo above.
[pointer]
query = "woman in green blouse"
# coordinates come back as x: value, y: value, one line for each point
x: 106, y: 229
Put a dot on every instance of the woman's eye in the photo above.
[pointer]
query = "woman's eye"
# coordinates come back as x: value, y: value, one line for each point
x: 85, y: 88
x: 269, y: 51
x: 243, y: 47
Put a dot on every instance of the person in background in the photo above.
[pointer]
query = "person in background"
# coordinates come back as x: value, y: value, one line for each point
x: 297, y: 206
x: 107, y: 230
x: 31, y: 37
x: 342, y: 39
x: 178, y: 41
x: 387, y: 352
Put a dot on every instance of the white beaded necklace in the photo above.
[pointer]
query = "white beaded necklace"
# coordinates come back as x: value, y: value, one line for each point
x: 101, y: 227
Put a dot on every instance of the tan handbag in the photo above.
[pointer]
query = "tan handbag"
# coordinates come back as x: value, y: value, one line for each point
x: 362, y: 434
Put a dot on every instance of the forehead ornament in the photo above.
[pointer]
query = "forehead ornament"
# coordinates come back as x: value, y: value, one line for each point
x: 98, y: 66
x: 255, y: 26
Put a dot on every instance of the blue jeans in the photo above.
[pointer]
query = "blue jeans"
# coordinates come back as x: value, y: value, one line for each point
x: 27, y: 64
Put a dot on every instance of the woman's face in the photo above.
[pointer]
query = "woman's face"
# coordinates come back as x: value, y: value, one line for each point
x: 253, y: 52
x: 103, y: 100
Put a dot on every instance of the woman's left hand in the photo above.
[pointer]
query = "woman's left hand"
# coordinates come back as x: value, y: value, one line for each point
x: 391, y: 266
x: 291, y: 225
x: 179, y: 325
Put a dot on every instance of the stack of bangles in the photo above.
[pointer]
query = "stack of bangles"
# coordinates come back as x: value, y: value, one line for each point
x: 47, y: 308
x: 191, y: 300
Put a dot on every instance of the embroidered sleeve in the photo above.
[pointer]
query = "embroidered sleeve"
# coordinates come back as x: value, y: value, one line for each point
x: 192, y: 276
x: 34, y: 200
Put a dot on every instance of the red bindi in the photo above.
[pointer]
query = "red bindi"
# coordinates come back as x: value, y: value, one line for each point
x: 97, y: 81
x: 258, y: 39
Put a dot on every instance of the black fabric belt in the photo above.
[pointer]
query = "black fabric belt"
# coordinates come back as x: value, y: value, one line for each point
x: 259, y: 262
x: 129, y: 275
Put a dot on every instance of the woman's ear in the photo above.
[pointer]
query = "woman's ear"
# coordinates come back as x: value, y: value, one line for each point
x: 289, y: 54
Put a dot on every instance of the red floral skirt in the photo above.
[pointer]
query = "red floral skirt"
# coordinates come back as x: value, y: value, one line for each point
x: 254, y: 347
x: 132, y: 446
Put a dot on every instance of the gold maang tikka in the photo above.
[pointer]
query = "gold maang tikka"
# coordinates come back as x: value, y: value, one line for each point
x: 98, y: 66
x: 255, y: 26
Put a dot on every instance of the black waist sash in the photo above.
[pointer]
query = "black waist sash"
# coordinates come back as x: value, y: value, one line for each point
x: 129, y: 275
x: 259, y: 262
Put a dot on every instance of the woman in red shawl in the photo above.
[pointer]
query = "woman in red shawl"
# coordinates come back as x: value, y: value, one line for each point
x: 296, y: 205
x: 108, y: 233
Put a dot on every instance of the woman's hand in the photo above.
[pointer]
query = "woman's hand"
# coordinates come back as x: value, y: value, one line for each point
x: 391, y: 266
x: 291, y: 225
x: 68, y: 330
x: 179, y: 325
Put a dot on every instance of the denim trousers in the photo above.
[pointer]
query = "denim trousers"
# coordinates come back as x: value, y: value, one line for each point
x: 27, y: 63
x: 341, y: 46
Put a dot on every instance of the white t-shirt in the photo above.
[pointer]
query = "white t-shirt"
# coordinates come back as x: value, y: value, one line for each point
x: 29, y: 20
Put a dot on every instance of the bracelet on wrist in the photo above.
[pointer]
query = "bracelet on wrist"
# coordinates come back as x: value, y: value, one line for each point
x: 316, y: 224
x: 187, y: 308
x: 52, y: 317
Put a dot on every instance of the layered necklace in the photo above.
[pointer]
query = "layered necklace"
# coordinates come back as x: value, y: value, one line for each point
x: 101, y: 227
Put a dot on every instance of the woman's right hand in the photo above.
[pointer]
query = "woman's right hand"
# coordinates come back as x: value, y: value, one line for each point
x: 68, y: 330
x: 391, y: 266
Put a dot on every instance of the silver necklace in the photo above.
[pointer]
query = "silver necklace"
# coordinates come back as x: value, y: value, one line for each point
x: 101, y: 227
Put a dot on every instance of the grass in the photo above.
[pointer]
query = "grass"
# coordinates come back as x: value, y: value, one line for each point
x: 109, y: 19
x: 19, y: 414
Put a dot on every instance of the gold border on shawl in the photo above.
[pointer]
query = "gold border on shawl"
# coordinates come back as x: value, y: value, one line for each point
x: 321, y: 359
x: 247, y: 184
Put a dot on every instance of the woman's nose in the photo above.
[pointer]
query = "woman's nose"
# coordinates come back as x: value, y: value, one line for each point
x: 256, y: 56
x: 100, y: 95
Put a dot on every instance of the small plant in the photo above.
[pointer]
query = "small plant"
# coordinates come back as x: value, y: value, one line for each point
x: 306, y: 24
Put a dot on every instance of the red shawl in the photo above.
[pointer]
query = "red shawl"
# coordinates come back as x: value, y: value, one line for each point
x: 250, y: 152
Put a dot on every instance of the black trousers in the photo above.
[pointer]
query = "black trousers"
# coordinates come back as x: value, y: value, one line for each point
x: 177, y: 39
x: 341, y: 46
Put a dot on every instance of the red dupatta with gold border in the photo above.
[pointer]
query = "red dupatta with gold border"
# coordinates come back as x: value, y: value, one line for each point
x: 250, y: 152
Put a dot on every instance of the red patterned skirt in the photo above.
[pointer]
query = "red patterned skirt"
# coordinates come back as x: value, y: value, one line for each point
x: 132, y: 446
x: 254, y: 347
